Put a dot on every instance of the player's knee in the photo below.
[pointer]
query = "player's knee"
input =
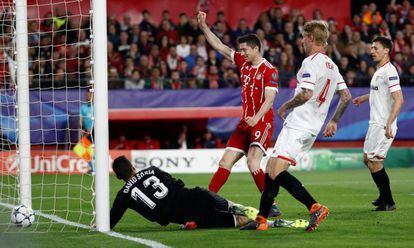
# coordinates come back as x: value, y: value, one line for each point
x: 225, y: 163
x: 253, y: 163
x: 375, y: 166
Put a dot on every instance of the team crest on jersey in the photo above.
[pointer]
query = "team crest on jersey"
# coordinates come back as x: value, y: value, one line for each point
x: 259, y: 76
x: 274, y: 76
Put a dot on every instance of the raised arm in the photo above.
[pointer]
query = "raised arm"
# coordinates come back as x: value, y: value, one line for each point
x: 212, y: 39
x: 343, y: 103
x: 296, y: 101
x: 398, y: 98
x: 117, y: 211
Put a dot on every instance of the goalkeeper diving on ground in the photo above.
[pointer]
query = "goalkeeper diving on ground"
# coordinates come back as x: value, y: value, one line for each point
x: 160, y: 198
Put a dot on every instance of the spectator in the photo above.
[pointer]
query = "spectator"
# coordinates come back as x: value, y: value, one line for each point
x: 277, y: 20
x: 134, y: 34
x: 242, y: 29
x: 183, y: 49
x: 173, y: 59
x: 166, y: 17
x: 213, y: 80
x: 144, y: 43
x: 167, y: 30
x: 212, y: 59
x: 408, y: 77
x: 231, y: 79
x: 134, y: 81
x: 183, y: 27
x: 371, y: 15
x: 200, y: 70
x: 155, y: 82
x: 208, y: 140
x: 148, y: 143
x: 123, y: 46
x: 183, y: 71
x: 143, y: 67
x: 191, y: 59
x: 202, y: 47
x: 126, y: 25
x: 175, y: 83
x: 350, y: 78
x: 146, y: 24
x: 362, y: 76
x: 154, y: 59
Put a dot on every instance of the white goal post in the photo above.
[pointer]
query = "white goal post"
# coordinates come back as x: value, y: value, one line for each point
x: 99, y: 81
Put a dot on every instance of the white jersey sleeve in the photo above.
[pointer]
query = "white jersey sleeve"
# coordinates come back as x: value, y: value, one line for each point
x: 307, y: 77
x: 340, y: 82
x: 392, y: 80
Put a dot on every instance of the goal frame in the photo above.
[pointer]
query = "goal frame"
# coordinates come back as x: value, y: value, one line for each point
x: 99, y: 79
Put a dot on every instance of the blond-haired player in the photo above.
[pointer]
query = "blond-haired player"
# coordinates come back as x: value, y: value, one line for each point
x: 385, y: 100
x: 318, y: 79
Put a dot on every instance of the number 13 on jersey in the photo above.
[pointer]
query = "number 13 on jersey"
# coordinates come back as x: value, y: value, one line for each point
x: 161, y: 191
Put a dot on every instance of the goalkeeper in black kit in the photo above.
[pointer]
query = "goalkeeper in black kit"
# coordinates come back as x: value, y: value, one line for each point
x: 160, y: 198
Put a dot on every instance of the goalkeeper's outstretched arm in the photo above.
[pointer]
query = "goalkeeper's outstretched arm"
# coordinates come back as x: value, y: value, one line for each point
x: 117, y: 211
x: 212, y: 39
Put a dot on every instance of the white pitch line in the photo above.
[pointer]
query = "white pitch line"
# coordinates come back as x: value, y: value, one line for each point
x: 147, y: 242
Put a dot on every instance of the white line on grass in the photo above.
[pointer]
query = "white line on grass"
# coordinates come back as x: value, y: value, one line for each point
x: 146, y: 242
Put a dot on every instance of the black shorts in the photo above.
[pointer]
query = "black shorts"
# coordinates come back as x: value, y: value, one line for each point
x: 205, y: 208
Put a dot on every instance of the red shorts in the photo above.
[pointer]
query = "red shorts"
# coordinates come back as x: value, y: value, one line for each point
x: 245, y: 136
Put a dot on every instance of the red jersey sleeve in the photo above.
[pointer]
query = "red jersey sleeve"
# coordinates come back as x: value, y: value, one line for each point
x: 271, y: 79
x: 238, y: 59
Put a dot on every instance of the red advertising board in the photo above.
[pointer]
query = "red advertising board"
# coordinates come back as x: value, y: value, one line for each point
x: 50, y: 162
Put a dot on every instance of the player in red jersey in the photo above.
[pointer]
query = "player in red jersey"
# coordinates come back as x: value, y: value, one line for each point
x: 259, y: 83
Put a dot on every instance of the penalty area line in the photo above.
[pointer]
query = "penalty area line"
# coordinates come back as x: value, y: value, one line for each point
x: 147, y: 242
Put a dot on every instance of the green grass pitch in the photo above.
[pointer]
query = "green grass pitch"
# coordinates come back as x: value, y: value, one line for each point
x: 347, y: 193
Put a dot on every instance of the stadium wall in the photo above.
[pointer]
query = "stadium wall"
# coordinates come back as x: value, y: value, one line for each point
x: 50, y: 122
x: 198, y: 160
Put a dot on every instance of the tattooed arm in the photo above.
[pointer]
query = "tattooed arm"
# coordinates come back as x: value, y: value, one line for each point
x: 332, y: 125
x: 296, y: 101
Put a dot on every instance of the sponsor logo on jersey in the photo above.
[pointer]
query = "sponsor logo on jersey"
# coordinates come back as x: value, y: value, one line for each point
x: 374, y: 87
x: 259, y: 76
x: 393, y: 78
x: 306, y: 75
x: 273, y: 82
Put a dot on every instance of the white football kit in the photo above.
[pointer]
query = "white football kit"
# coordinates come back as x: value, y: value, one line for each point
x: 321, y: 75
x: 384, y: 82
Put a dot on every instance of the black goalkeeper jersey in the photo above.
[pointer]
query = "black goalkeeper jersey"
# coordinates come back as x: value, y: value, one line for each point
x: 151, y: 193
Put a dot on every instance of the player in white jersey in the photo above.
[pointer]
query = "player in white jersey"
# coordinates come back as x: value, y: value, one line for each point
x: 385, y: 101
x: 318, y: 79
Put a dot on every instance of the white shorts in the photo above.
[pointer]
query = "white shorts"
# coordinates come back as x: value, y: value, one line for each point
x: 292, y: 144
x: 376, y: 145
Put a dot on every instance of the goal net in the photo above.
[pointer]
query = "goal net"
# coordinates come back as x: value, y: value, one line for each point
x: 61, y: 114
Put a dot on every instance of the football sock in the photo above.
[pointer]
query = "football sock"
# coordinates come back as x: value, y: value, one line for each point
x: 271, y: 189
x: 259, y: 179
x: 219, y: 179
x: 295, y: 188
x: 382, y: 181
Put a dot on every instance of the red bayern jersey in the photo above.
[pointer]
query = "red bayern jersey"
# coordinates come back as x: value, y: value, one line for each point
x: 254, y: 80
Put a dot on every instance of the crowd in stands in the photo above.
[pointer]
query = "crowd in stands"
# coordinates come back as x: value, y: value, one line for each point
x: 183, y: 140
x: 175, y: 55
x: 169, y: 55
